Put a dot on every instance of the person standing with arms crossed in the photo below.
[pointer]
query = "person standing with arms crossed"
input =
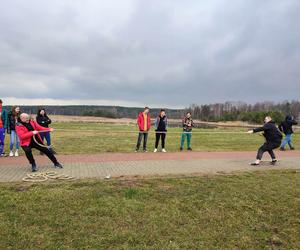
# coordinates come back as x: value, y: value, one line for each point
x: 161, y: 125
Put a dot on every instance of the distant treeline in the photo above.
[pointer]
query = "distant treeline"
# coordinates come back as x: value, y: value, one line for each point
x: 239, y: 111
x: 99, y: 111
x: 228, y: 111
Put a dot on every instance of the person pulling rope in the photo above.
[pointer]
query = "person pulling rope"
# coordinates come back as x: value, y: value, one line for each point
x: 29, y: 134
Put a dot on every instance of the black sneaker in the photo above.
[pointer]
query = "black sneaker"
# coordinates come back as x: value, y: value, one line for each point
x: 273, y: 162
x: 58, y: 165
x: 33, y: 168
x: 282, y: 149
x: 254, y: 164
x: 181, y: 149
x: 292, y: 148
x: 190, y: 149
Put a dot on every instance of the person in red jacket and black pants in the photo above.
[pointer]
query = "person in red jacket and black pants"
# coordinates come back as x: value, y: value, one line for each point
x: 144, y: 124
x: 26, y: 130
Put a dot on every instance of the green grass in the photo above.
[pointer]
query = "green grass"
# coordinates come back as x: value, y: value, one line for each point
x: 81, y: 138
x: 247, y: 211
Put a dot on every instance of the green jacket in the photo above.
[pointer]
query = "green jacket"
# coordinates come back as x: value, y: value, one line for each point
x: 4, y: 118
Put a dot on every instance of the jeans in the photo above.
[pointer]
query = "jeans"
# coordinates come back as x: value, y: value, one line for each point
x: 267, y: 147
x: 46, y: 135
x: 139, y: 141
x: 163, y: 139
x: 2, y: 139
x: 188, y: 136
x: 287, y: 140
x: 13, y: 137
x: 46, y: 151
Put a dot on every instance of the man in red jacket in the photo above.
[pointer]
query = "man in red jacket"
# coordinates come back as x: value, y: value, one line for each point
x: 144, y: 124
x: 26, y: 130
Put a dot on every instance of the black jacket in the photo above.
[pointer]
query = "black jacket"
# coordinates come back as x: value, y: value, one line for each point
x: 271, y: 133
x: 12, y: 120
x: 287, y: 125
x: 43, y: 120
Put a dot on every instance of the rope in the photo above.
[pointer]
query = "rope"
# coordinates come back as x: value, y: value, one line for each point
x: 40, y: 144
x: 41, y: 177
x: 152, y: 131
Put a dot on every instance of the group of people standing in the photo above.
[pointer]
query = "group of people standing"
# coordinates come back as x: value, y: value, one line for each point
x: 161, y: 128
x: 31, y: 134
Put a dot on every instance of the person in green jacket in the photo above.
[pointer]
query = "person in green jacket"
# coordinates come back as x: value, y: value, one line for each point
x: 3, y: 127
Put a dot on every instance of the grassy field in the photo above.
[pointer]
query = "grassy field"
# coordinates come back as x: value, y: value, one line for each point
x: 247, y: 211
x: 81, y: 138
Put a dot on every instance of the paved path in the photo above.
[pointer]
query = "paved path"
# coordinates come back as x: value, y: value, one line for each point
x: 145, y: 164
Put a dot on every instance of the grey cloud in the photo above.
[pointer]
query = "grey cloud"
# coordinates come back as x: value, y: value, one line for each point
x: 171, y: 52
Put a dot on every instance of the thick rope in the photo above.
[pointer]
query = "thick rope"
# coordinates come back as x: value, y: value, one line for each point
x: 41, y: 177
x: 40, y: 144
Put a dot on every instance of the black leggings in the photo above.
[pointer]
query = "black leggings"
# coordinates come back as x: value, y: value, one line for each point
x: 46, y: 151
x: 267, y: 147
x: 163, y: 139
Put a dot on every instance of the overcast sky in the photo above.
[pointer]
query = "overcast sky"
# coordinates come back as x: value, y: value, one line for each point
x: 163, y: 53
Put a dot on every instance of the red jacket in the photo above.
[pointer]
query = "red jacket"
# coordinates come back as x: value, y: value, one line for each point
x: 25, y: 135
x: 140, y: 121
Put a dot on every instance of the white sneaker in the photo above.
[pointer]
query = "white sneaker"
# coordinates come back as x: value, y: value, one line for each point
x: 11, y: 153
x: 17, y: 153
x: 164, y: 151
x: 155, y: 150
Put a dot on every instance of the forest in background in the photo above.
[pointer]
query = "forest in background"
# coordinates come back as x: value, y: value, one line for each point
x: 228, y: 111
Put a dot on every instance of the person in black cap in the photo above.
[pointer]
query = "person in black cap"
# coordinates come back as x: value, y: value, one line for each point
x: 286, y: 127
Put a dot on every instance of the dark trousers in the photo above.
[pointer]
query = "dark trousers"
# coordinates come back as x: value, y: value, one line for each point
x: 139, y: 141
x: 46, y: 151
x: 267, y: 147
x: 159, y: 135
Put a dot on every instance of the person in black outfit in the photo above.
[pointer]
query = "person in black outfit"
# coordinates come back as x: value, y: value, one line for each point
x: 273, y: 140
x: 43, y: 120
x: 26, y: 130
x: 161, y: 125
x: 286, y: 127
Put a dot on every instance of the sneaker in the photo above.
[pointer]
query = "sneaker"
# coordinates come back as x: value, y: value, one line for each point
x: 273, y: 162
x: 11, y: 153
x: 164, y: 151
x: 181, y: 149
x: 282, y: 149
x: 254, y: 164
x: 292, y: 148
x: 155, y: 150
x: 58, y: 165
x: 33, y: 168
x: 3, y: 155
x: 190, y: 149
x: 145, y: 151
x: 17, y: 153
